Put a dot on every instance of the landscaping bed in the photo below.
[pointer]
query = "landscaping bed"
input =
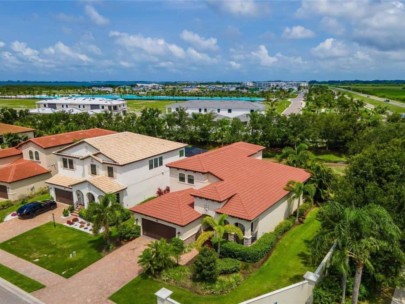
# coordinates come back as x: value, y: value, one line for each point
x: 273, y: 274
x: 60, y: 249
x: 19, y: 280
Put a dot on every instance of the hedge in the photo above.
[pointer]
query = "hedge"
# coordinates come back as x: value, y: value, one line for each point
x: 260, y: 248
x: 5, y: 205
x: 227, y: 266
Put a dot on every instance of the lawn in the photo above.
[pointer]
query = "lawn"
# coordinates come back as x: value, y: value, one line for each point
x: 395, y: 92
x: 51, y: 248
x: 286, y: 265
x: 7, y: 211
x: 330, y: 158
x: 18, y: 103
x: 282, y: 105
x: 138, y: 105
x: 20, y: 280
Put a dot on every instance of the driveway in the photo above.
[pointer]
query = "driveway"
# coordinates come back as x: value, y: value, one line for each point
x: 100, y: 280
x: 12, y: 228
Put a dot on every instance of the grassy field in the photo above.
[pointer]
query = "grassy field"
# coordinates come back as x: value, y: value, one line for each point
x: 282, y: 105
x: 50, y: 247
x: 7, y: 211
x: 394, y: 91
x: 287, y: 265
x: 18, y: 103
x: 138, y: 105
x: 20, y: 280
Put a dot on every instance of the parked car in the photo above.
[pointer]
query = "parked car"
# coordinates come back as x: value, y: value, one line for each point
x: 33, y: 209
x: 387, y: 100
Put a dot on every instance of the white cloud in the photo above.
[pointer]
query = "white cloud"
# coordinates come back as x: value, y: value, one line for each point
x: 234, y: 65
x: 330, y: 48
x: 239, y: 7
x: 2, y: 44
x: 201, y: 43
x: 95, y: 16
x: 265, y: 59
x: 199, y: 57
x: 297, y: 32
x: 60, y: 51
x: 333, y: 25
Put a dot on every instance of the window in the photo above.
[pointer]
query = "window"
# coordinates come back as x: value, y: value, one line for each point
x: 155, y: 162
x: 110, y: 171
x: 181, y: 153
x: 199, y: 110
x: 205, y: 110
x: 93, y: 169
x: 31, y: 155
x: 251, y: 111
x: 36, y: 155
x: 219, y: 110
x: 118, y: 198
x: 229, y: 110
x: 102, y: 107
x: 115, y: 108
x: 182, y: 177
x: 190, y: 179
x: 67, y: 163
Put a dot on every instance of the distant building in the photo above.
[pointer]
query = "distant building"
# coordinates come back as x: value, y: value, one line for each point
x: 222, y: 109
x: 75, y: 105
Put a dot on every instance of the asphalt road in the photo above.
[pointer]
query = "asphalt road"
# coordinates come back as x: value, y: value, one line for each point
x: 393, y: 102
x: 295, y: 106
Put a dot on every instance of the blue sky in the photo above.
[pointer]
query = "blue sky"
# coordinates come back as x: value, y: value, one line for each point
x: 225, y: 40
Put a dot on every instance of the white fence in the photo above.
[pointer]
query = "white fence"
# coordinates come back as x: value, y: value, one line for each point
x: 299, y: 293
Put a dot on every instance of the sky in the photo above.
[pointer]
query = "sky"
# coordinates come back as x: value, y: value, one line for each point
x: 204, y: 40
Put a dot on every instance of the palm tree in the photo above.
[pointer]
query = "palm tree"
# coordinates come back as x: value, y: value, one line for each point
x: 219, y: 228
x: 106, y: 211
x: 13, y: 139
x: 296, y: 157
x: 156, y: 257
x: 322, y: 178
x: 299, y: 190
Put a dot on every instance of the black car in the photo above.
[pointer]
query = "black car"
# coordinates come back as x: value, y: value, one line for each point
x: 35, y: 208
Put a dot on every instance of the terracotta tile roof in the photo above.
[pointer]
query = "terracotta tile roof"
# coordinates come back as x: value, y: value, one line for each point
x: 251, y: 185
x: 67, y: 138
x: 19, y: 170
x: 176, y: 207
x: 127, y: 147
x: 106, y: 184
x: 64, y: 181
x: 9, y: 152
x: 6, y: 128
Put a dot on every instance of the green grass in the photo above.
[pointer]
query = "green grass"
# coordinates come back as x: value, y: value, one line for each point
x: 392, y: 91
x: 286, y: 265
x: 50, y: 247
x: 138, y: 105
x: 20, y: 280
x: 18, y: 103
x: 11, y: 209
x: 330, y: 158
x: 282, y: 105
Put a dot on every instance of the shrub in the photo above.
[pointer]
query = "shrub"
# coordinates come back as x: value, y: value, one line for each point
x: 284, y: 226
x: 227, y: 265
x: 65, y: 213
x: 127, y: 232
x: 205, y: 266
x: 69, y: 222
x: 223, y: 284
x: 71, y: 208
x: 84, y: 215
x: 5, y: 205
x: 304, y: 208
x: 156, y: 257
x: 75, y: 219
x: 178, y: 248
x: 123, y: 216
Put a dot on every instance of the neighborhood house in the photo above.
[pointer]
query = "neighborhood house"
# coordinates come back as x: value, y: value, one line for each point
x: 232, y: 180
x: 130, y: 165
x: 12, y: 129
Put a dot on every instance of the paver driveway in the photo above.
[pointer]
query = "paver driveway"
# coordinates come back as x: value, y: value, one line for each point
x: 100, y: 280
x: 17, y: 226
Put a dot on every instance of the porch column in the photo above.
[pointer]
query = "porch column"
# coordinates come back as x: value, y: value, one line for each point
x: 247, y: 240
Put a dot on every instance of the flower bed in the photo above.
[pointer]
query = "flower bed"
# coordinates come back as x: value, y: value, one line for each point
x: 81, y: 225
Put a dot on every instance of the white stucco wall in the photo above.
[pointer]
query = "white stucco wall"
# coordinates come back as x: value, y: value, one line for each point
x: 23, y: 188
x: 200, y: 179
x: 206, y: 207
x: 258, y: 155
x: 223, y: 112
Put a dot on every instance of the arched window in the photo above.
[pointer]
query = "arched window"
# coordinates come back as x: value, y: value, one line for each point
x: 36, y: 155
x: 31, y: 155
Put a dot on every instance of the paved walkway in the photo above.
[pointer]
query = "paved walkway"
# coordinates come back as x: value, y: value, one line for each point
x: 187, y: 257
x: 296, y: 105
x: 399, y: 296
x: 12, y: 228
x: 100, y: 280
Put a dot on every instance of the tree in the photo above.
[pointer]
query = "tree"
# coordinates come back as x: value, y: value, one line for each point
x: 296, y: 157
x: 157, y: 257
x: 299, y: 190
x: 13, y: 139
x: 205, y: 266
x: 106, y: 211
x: 219, y: 228
x: 323, y: 180
x: 178, y: 248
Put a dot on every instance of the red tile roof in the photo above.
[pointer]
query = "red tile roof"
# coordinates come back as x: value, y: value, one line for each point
x: 251, y: 185
x: 9, y: 152
x: 67, y: 138
x: 19, y: 170
x: 176, y: 207
x: 6, y: 128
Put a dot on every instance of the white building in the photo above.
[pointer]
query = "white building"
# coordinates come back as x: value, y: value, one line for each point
x: 132, y: 166
x: 222, y: 109
x: 75, y: 105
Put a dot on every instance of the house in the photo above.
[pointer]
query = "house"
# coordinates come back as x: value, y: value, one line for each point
x: 12, y: 129
x: 25, y: 169
x: 130, y: 165
x: 76, y: 105
x: 222, y: 109
x: 232, y: 180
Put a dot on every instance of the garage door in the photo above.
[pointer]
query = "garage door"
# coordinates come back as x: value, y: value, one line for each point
x: 157, y: 230
x: 64, y: 196
x: 3, y: 191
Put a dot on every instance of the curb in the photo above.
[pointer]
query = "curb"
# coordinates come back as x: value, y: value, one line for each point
x: 23, y: 295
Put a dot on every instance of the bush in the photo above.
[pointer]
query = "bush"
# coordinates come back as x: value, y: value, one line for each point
x: 304, y: 208
x: 284, y: 226
x: 69, y: 222
x: 65, y: 213
x: 227, y: 266
x: 84, y: 215
x: 328, y: 290
x: 205, y: 266
x: 223, y: 285
x: 5, y: 205
x: 71, y: 208
x: 75, y: 219
x: 121, y: 217
x: 127, y: 232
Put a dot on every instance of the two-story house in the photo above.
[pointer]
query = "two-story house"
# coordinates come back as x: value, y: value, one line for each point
x: 232, y: 180
x: 130, y: 165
